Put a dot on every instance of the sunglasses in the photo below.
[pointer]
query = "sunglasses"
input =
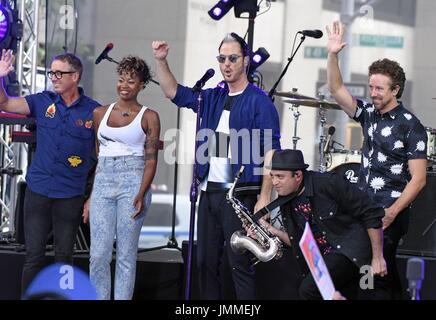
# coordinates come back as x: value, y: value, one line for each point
x: 232, y: 58
x: 58, y: 74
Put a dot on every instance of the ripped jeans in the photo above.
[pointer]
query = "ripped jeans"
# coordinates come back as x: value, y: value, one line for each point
x: 116, y: 184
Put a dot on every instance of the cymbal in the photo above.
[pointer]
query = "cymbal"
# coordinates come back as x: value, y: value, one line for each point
x: 314, y: 103
x: 292, y: 95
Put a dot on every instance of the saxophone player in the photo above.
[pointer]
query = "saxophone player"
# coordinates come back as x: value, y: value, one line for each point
x: 347, y: 226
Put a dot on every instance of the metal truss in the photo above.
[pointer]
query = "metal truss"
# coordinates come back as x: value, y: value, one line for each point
x: 14, y: 155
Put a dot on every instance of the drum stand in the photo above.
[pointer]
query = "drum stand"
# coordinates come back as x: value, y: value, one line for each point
x: 322, y: 140
x: 297, y: 114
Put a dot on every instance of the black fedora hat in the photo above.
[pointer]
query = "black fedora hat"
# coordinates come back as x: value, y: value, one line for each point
x: 288, y: 160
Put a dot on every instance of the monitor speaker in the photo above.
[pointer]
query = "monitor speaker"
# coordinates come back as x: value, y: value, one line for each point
x: 420, y: 239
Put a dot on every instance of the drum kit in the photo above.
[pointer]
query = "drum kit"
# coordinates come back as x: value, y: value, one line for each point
x: 343, y: 161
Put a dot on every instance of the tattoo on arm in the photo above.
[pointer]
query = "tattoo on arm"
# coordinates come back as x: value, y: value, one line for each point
x: 152, y: 144
x: 150, y: 156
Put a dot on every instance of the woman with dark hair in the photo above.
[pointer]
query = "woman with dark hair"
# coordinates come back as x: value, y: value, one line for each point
x: 127, y: 145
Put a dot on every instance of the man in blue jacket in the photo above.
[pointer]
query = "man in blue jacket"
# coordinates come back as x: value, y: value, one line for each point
x: 239, y: 125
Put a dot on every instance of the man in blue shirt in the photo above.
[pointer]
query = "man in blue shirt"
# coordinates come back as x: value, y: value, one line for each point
x: 57, y: 176
x: 239, y: 126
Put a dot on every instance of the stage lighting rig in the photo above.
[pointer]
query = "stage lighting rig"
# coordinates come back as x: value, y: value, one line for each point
x: 11, y: 27
x: 220, y: 9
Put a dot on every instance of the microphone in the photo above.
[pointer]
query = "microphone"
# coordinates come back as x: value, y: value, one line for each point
x: 415, y: 275
x: 330, y: 133
x: 103, y: 54
x: 200, y: 83
x: 312, y: 33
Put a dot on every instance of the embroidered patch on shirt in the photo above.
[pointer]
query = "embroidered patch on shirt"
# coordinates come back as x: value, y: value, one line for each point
x: 79, y: 122
x: 88, y: 124
x: 51, y: 111
x: 74, y: 161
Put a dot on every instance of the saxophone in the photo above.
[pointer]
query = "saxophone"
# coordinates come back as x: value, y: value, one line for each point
x: 266, y: 246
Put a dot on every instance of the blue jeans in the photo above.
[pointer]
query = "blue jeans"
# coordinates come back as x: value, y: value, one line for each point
x: 117, y: 182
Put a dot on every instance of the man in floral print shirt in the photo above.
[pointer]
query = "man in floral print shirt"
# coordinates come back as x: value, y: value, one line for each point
x: 393, y: 170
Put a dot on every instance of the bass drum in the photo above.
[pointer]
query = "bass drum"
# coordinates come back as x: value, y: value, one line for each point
x: 335, y: 159
x: 349, y: 171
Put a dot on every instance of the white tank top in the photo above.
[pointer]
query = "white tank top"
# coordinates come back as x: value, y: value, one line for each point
x: 128, y: 140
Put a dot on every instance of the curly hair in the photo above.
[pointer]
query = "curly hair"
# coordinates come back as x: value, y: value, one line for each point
x: 393, y: 70
x: 135, y: 66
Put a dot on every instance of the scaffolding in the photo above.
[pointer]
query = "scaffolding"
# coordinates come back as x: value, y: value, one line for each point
x: 14, y: 154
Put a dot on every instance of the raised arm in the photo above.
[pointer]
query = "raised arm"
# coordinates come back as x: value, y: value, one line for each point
x: 10, y: 104
x: 334, y: 78
x: 167, y: 81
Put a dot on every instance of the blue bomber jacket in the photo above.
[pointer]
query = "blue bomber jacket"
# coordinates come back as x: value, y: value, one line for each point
x: 254, y: 129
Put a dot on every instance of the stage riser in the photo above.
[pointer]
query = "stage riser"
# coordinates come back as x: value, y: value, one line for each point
x: 276, y: 280
x: 154, y: 280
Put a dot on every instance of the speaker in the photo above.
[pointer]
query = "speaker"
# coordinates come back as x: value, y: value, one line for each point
x: 420, y: 239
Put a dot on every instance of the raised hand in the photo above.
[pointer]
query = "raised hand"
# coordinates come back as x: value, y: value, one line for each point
x: 160, y: 49
x: 335, y: 37
x: 6, y: 62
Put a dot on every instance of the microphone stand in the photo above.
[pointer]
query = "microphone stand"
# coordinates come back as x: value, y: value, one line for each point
x: 111, y: 60
x: 193, y: 199
x: 415, y: 294
x: 273, y: 90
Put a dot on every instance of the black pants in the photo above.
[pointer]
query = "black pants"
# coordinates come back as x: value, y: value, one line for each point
x: 344, y: 274
x: 216, y: 223
x: 389, y: 287
x: 40, y: 214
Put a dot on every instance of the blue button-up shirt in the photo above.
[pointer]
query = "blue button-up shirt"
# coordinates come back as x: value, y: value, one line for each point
x: 390, y: 141
x: 65, y: 142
